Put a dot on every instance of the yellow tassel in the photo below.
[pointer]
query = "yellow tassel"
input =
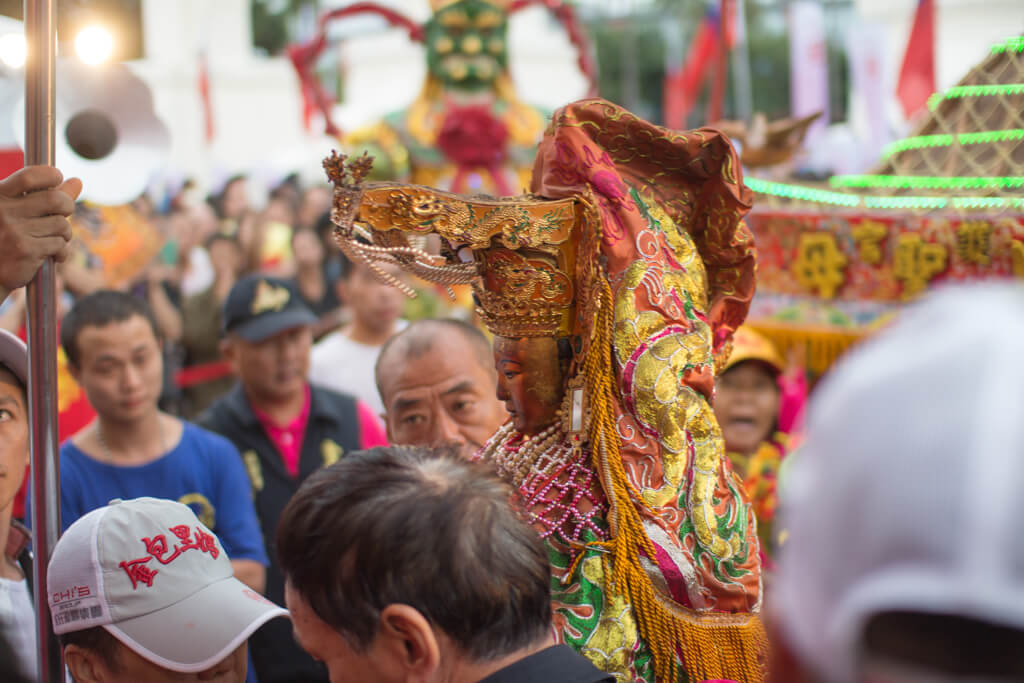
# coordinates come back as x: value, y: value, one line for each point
x: 712, y: 645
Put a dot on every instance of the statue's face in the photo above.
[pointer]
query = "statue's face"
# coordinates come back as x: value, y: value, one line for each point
x: 466, y: 44
x: 530, y: 381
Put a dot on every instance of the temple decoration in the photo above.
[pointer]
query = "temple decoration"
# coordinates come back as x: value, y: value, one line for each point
x: 612, y: 290
x: 466, y: 130
x: 945, y: 204
x: 764, y: 144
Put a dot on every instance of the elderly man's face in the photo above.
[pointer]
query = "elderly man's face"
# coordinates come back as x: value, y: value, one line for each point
x: 87, y: 667
x: 444, y: 397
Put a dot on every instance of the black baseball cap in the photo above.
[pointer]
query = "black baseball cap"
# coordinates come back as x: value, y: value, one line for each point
x: 260, y: 306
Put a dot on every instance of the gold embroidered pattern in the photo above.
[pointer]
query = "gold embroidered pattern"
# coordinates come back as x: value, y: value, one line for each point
x: 254, y: 470
x: 524, y: 297
x: 207, y: 514
x: 330, y: 452
x: 610, y: 645
x: 269, y: 297
x: 655, y: 362
x: 518, y: 221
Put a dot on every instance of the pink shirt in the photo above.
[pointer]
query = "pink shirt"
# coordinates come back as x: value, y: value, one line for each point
x: 288, y: 438
x: 371, y: 434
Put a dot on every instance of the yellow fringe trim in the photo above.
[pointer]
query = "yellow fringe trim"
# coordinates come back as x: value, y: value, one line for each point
x: 819, y: 346
x: 712, y: 646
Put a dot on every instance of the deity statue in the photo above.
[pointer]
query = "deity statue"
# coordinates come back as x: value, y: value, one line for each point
x: 612, y: 290
x: 467, y: 130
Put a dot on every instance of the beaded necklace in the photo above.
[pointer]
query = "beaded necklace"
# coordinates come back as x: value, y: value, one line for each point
x: 553, y: 478
x: 515, y: 457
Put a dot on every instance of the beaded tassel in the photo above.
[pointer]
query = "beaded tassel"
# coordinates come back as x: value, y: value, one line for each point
x: 552, y: 478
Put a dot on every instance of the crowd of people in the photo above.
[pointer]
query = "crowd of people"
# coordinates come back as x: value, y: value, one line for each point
x: 323, y: 454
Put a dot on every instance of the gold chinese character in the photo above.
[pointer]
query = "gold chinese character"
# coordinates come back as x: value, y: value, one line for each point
x: 820, y: 265
x: 972, y: 242
x: 916, y: 262
x: 1017, y: 255
x: 867, y: 235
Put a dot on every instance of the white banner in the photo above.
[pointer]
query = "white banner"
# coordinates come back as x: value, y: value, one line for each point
x: 808, y: 64
x: 866, y: 49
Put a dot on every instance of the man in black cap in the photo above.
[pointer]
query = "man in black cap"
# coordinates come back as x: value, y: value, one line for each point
x: 285, y: 429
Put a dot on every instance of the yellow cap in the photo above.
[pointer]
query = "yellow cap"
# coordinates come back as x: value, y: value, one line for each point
x: 747, y: 344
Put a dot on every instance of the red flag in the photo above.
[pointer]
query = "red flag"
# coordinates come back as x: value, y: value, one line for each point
x: 204, y: 97
x: 682, y: 86
x: 917, y: 75
x: 727, y: 39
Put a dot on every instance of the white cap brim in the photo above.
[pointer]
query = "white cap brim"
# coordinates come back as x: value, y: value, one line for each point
x: 199, y: 631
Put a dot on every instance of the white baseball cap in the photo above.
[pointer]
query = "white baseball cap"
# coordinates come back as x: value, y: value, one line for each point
x: 159, y: 581
x: 906, y: 494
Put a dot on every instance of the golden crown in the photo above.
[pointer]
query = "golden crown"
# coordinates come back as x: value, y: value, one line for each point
x: 524, y: 293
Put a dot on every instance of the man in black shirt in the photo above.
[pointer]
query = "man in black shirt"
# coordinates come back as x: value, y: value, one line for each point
x: 285, y: 429
x: 408, y: 564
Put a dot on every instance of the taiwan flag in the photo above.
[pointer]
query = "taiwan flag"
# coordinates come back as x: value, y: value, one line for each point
x: 917, y: 75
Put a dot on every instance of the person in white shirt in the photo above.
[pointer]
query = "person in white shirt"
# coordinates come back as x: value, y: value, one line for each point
x: 17, y: 616
x: 344, y: 360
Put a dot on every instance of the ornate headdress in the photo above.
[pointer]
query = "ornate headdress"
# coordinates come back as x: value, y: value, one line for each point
x: 632, y: 245
x: 519, y: 252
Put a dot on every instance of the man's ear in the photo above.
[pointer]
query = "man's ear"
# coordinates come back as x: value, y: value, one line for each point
x: 227, y: 352
x: 409, y: 640
x: 387, y: 427
x: 85, y: 666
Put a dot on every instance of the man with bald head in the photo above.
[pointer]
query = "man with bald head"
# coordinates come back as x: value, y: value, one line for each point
x: 438, y: 384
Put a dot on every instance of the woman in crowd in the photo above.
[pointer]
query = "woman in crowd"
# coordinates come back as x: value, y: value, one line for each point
x: 749, y: 397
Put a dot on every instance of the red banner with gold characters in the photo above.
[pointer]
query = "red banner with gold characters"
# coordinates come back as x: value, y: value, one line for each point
x: 883, y: 258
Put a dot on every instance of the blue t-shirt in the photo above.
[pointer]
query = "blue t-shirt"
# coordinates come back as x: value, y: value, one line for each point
x: 204, y: 471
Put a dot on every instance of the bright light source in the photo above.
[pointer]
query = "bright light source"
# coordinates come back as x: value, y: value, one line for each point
x: 12, y: 50
x: 94, y: 44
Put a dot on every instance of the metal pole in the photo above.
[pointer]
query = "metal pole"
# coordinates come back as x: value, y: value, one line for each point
x: 41, y: 309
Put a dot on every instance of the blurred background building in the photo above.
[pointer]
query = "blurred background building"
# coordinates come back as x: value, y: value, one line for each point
x: 222, y: 83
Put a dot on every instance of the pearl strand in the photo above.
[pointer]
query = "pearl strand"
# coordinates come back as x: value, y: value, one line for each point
x: 516, y: 461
